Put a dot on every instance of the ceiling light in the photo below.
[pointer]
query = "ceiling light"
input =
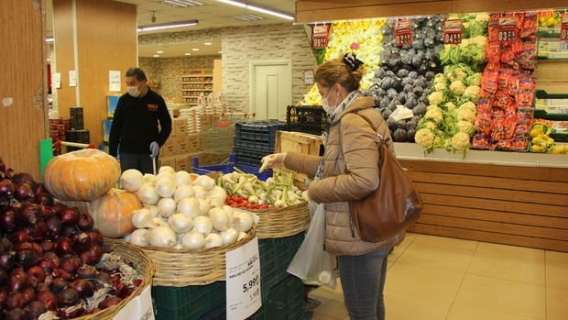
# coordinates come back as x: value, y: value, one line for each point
x: 159, y: 51
x: 156, y: 56
x: 187, y: 54
x: 207, y: 43
x: 182, y: 3
x: 194, y: 49
x: 49, y: 39
x: 248, y: 17
x: 258, y: 9
x: 179, y: 24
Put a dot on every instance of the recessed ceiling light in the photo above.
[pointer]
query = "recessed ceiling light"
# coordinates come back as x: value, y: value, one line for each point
x: 220, y: 52
x: 194, y: 49
x: 207, y: 43
x: 187, y: 54
x: 156, y: 56
x: 159, y: 51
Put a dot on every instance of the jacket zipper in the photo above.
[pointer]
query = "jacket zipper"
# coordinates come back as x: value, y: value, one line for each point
x: 351, y: 226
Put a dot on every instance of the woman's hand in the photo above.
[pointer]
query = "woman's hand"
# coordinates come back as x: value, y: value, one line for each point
x: 275, y: 160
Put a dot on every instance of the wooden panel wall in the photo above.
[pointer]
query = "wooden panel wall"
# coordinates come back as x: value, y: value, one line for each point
x: 327, y: 10
x: 24, y: 80
x: 106, y: 40
x: 522, y: 206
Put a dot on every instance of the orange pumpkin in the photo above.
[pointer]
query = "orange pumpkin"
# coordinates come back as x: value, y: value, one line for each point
x: 81, y: 175
x: 112, y: 213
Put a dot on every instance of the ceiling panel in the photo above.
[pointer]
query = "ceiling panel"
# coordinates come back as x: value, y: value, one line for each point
x: 213, y: 14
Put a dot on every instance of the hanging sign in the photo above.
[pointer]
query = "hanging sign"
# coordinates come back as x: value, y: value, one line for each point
x: 453, y: 31
x: 507, y: 29
x: 564, y: 27
x: 243, y: 281
x: 320, y: 36
x: 402, y: 32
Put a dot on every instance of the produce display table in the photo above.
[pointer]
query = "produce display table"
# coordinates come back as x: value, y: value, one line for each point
x: 502, y: 197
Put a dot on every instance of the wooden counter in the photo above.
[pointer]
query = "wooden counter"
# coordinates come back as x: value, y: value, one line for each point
x: 502, y: 197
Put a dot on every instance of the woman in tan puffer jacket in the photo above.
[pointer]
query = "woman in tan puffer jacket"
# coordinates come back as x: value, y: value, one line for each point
x: 347, y: 171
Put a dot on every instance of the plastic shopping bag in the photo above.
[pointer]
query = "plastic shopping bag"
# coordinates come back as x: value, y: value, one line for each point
x: 312, y: 264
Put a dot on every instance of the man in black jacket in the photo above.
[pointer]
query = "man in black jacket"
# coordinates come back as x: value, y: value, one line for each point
x: 140, y: 126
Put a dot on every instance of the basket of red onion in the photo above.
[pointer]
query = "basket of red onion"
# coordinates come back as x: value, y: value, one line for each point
x: 54, y: 264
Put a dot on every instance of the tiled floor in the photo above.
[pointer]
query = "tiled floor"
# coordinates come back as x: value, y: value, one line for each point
x: 435, y: 278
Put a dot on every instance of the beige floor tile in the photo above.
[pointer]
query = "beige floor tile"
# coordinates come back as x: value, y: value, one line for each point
x: 429, y: 283
x: 333, y: 311
x: 517, y: 298
x: 459, y: 312
x: 556, y: 305
x: 438, y: 252
x: 400, y: 306
x: 400, y: 249
x: 557, y: 270
x: 509, y: 263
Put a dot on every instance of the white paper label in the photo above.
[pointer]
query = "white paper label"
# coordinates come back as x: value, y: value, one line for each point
x: 72, y: 78
x: 243, y: 281
x: 114, y: 81
x: 139, y: 308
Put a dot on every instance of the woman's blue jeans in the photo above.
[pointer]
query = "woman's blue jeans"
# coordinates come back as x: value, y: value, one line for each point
x: 363, y: 281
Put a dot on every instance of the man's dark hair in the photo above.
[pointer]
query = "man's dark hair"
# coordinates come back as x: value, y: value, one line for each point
x: 136, y: 72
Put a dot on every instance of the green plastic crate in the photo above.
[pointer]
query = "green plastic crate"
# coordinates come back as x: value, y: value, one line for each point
x: 284, y: 301
x: 275, y: 256
x: 187, y: 303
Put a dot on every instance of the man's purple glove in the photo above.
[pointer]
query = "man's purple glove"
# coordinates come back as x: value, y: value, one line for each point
x: 154, y: 149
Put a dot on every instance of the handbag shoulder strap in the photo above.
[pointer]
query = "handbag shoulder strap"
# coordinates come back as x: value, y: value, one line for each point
x: 376, y: 128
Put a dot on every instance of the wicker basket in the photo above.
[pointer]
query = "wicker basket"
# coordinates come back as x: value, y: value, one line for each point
x: 139, y: 260
x: 184, y: 267
x: 285, y: 222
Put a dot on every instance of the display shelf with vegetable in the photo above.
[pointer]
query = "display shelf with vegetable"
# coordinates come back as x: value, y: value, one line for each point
x: 508, y: 84
x: 54, y: 263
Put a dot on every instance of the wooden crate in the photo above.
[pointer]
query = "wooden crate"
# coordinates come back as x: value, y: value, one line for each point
x: 290, y: 141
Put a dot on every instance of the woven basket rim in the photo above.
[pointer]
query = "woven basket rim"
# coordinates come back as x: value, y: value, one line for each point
x: 144, y: 265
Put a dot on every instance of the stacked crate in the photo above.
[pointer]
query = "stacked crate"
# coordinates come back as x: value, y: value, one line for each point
x: 307, y: 119
x: 190, y: 302
x: 255, y: 139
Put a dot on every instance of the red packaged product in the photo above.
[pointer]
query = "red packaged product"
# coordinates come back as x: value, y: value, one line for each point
x: 481, y: 141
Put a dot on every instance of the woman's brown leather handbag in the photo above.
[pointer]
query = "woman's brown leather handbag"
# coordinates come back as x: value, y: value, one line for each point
x: 393, y: 207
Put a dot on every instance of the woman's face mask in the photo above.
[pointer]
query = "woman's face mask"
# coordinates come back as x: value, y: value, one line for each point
x: 328, y: 108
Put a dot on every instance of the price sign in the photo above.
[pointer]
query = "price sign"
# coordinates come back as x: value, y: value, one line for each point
x: 564, y: 27
x: 453, y: 31
x: 243, y: 281
x: 402, y: 32
x: 139, y: 308
x: 320, y: 36
x: 507, y: 29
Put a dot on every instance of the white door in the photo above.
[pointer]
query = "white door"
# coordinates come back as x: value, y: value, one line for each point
x: 270, y: 89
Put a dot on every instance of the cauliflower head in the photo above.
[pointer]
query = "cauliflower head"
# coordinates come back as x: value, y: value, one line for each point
x: 460, y: 141
x: 436, y: 98
x: 465, y: 115
x: 440, y: 78
x: 450, y: 106
x: 425, y: 138
x: 465, y: 126
x: 470, y: 106
x: 434, y: 113
x: 474, y: 79
x: 457, y: 88
x: 473, y: 93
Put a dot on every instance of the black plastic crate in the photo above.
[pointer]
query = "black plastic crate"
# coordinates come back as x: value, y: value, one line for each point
x: 258, y: 131
x: 306, y: 119
x: 275, y: 256
x: 187, y: 303
x: 251, y: 154
x: 284, y: 301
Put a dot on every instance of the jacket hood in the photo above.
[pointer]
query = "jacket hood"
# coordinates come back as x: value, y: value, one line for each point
x: 360, y: 104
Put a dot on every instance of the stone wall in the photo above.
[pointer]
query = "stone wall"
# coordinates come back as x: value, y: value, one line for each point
x: 239, y: 47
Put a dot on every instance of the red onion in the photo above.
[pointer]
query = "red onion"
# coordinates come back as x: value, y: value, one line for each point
x: 35, y: 309
x: 81, y: 241
x: 64, y: 246
x: 96, y: 237
x: 83, y: 287
x: 47, y: 297
x: 29, y: 294
x: 69, y: 216
x: 5, y: 245
x: 7, y: 260
x: 85, y: 222
x: 8, y: 220
x: 3, y: 278
x: 53, y: 226
x: 15, y: 314
x: 6, y: 188
x: 47, y: 245
x: 109, y: 302
x: 24, y: 177
x: 57, y: 285
x: 18, y: 280
x: 30, y: 213
x: 53, y: 257
x: 4, y: 293
x: 27, y: 258
x: 20, y: 237
x: 23, y: 191
x: 93, y: 255
x: 36, y: 275
x: 68, y: 297
x: 70, y: 263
